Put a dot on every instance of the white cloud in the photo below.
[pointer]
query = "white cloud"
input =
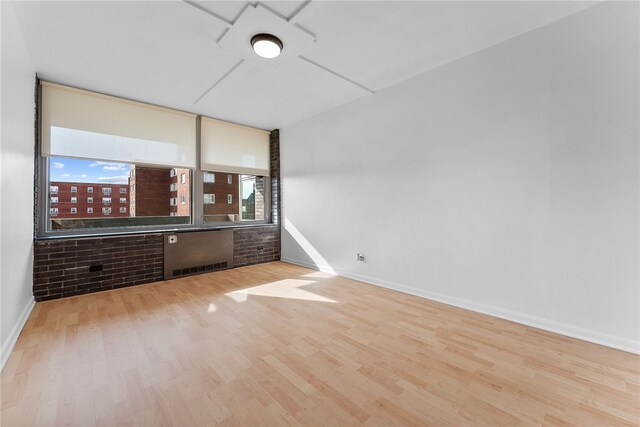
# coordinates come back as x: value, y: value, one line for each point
x: 120, y: 179
x: 58, y: 165
x: 110, y: 166
x: 84, y: 175
x: 66, y: 175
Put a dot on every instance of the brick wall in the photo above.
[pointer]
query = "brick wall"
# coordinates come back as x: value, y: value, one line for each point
x: 255, y: 245
x: 62, y: 267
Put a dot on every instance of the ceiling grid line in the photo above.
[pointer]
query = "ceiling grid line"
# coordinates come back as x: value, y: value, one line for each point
x: 207, y: 11
x: 337, y: 74
x: 218, y: 81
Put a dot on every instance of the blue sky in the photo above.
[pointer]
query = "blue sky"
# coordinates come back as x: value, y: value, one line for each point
x: 79, y: 170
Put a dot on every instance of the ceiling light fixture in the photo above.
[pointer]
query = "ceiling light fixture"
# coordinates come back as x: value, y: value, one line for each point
x: 266, y: 45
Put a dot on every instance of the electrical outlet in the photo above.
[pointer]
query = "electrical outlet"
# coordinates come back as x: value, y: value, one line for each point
x: 173, y: 239
x: 359, y: 257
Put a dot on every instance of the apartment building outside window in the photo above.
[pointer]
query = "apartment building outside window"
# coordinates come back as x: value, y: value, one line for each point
x: 106, y: 190
x: 74, y: 189
x: 53, y: 189
x: 106, y: 211
x: 123, y: 200
x: 89, y: 199
x: 74, y: 200
x: 54, y: 200
x: 74, y: 210
x: 89, y: 210
x: 89, y: 189
x: 106, y: 200
x: 123, y: 190
x: 123, y: 210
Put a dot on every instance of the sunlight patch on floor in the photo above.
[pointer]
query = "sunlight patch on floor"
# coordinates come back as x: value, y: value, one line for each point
x: 288, y: 288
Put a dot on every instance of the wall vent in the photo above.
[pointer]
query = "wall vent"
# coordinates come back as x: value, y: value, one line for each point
x: 199, y: 269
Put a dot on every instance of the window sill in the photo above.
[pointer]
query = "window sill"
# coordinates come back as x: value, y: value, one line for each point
x: 190, y: 228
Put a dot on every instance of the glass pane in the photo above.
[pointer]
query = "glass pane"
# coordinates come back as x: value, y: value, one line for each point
x: 129, y: 194
x: 253, y: 198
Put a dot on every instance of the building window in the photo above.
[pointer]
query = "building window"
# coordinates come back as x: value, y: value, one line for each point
x: 183, y: 199
x: 173, y: 187
x: 74, y: 210
x: 89, y: 189
x: 229, y: 199
x: 229, y: 179
x: 123, y: 210
x: 89, y: 199
x: 74, y: 189
x: 106, y: 211
x: 209, y: 177
x: 123, y: 200
x: 209, y: 199
x: 54, y: 200
x: 53, y: 188
x: 89, y: 210
x: 74, y: 200
x: 123, y: 190
x: 183, y: 178
x: 106, y: 200
x: 173, y: 214
x: 53, y: 211
x: 173, y: 173
x: 173, y: 201
x: 106, y: 190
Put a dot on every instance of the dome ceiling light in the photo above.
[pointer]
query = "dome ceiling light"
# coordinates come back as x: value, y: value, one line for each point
x: 266, y: 45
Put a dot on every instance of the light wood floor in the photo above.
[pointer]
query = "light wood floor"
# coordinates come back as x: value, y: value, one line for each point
x: 300, y: 348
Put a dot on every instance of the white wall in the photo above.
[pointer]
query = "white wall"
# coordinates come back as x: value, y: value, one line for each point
x: 506, y: 182
x: 16, y: 180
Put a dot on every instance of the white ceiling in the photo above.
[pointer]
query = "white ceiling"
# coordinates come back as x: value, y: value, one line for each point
x: 195, y: 55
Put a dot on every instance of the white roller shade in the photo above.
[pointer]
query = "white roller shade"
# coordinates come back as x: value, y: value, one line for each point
x: 83, y: 124
x: 227, y: 147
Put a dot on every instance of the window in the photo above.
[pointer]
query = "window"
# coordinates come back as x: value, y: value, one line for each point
x: 253, y: 204
x: 209, y: 177
x: 74, y: 210
x: 96, y: 135
x: 74, y: 200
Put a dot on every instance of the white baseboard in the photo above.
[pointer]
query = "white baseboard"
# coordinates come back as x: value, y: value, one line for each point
x: 7, y: 347
x: 612, y: 341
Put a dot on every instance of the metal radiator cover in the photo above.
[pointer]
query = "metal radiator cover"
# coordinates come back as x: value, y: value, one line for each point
x: 197, y: 252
